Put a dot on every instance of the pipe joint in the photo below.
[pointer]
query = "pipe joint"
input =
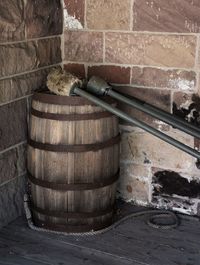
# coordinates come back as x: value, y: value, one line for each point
x: 98, y: 86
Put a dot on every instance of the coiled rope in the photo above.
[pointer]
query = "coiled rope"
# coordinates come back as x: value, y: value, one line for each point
x: 153, y: 221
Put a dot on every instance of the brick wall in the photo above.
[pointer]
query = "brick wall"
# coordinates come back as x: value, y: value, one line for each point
x: 147, y: 49
x: 29, y: 45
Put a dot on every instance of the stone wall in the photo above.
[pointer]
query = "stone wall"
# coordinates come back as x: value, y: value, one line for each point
x: 30, y: 44
x: 150, y: 50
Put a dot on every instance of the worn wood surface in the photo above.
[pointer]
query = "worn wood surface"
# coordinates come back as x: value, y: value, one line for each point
x: 132, y: 242
x: 79, y: 167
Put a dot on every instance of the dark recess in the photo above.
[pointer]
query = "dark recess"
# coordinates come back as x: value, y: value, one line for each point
x: 171, y: 183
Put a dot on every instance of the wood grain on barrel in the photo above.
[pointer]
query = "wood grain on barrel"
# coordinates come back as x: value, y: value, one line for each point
x: 80, y: 167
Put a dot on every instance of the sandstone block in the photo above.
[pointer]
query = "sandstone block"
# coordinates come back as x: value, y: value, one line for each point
x: 13, y: 124
x: 76, y: 69
x: 166, y: 16
x: 43, y: 18
x: 172, y: 79
x: 21, y: 161
x: 131, y: 187
x: 75, y: 9
x: 8, y: 165
x: 111, y: 73
x: 17, y: 58
x: 11, y: 200
x: 151, y: 50
x: 144, y: 148
x: 112, y: 14
x: 84, y: 46
x: 49, y: 51
x: 12, y: 26
x: 23, y: 85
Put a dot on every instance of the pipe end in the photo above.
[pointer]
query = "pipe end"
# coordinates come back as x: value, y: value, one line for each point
x: 98, y: 86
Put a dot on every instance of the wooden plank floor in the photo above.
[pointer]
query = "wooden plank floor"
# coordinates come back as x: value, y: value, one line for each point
x: 132, y: 242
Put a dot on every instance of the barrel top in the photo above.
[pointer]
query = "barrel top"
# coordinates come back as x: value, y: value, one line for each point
x: 48, y: 97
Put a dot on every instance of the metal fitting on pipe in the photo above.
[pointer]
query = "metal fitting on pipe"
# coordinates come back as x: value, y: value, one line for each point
x: 98, y: 86
x: 138, y: 123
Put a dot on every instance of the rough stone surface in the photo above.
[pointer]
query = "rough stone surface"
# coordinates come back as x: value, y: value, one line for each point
x: 23, y: 85
x: 198, y: 65
x: 11, y: 200
x: 182, y: 99
x: 49, y: 51
x: 83, y: 46
x: 20, y: 22
x: 17, y: 58
x: 12, y: 27
x: 166, y: 16
x: 12, y: 163
x: 164, y: 71
x: 198, y: 209
x: 75, y: 9
x: 43, y: 18
x: 29, y: 56
x: 112, y: 14
x: 172, y: 79
x: 132, y: 185
x: 153, y: 50
x: 8, y: 165
x: 177, y: 204
x: 143, y: 148
x: 187, y: 106
x: 156, y: 97
x: 76, y: 69
x: 111, y: 73
x: 142, y: 172
x: 12, y: 124
x: 22, y: 156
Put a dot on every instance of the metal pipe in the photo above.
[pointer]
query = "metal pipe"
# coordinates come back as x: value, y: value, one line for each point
x: 99, y: 87
x: 171, y: 116
x: 138, y: 123
x: 159, y: 114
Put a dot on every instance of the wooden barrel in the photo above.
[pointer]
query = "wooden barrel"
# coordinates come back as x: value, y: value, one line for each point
x: 73, y: 163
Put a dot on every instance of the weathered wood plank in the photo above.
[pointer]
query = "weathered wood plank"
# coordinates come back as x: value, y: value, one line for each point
x: 36, y: 247
x: 17, y: 260
x: 133, y: 242
x: 134, y: 239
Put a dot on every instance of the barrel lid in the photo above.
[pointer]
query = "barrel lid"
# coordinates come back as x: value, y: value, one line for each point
x: 46, y: 96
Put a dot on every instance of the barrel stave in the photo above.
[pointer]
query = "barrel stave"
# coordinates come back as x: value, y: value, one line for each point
x: 73, y: 167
